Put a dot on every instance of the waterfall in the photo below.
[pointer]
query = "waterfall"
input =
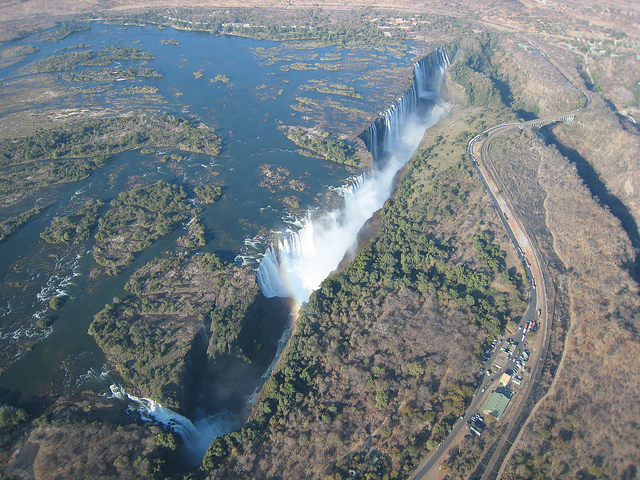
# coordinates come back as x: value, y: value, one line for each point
x: 203, y: 334
x: 384, y: 135
x: 292, y: 266
x: 299, y: 261
x: 196, y: 436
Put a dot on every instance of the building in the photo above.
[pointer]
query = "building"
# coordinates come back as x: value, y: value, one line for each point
x: 477, y: 426
x: 505, y: 379
x: 496, y: 404
x: 500, y: 360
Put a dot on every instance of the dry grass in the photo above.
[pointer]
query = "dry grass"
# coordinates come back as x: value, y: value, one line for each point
x: 612, y: 149
x: 592, y: 412
x: 403, y: 328
x: 374, y: 346
x: 598, y: 382
x: 534, y: 81
x: 89, y: 439
x: 590, y: 420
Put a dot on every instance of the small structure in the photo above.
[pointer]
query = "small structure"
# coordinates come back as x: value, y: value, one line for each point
x: 496, y: 404
x: 500, y: 360
x: 505, y: 379
x: 511, y: 347
x: 477, y: 426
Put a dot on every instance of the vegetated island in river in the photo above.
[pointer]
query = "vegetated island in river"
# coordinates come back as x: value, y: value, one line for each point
x: 435, y: 258
x: 600, y: 328
x: 182, y: 320
x: 71, y: 152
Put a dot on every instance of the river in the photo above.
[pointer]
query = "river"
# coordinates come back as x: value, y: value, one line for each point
x: 247, y: 113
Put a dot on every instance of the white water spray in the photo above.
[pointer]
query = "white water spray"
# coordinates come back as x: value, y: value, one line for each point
x: 196, y: 436
x: 300, y: 260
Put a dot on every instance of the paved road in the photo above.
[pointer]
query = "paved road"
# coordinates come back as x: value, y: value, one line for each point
x: 535, y: 271
x: 488, y: 383
x: 523, y: 246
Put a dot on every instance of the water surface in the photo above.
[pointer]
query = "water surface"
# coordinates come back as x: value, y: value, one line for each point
x: 248, y: 113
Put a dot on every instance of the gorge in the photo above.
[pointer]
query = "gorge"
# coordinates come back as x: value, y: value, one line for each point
x: 177, y: 181
x: 300, y: 260
x: 296, y: 265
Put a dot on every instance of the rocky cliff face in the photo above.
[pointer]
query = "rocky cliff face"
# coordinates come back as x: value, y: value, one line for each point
x: 183, y: 316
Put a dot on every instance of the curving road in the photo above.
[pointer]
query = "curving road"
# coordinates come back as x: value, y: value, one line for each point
x: 536, y: 272
x: 476, y: 150
x: 493, y: 464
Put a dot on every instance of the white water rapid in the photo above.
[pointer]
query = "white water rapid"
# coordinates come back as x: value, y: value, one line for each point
x: 196, y: 436
x: 300, y: 260
x: 297, y: 264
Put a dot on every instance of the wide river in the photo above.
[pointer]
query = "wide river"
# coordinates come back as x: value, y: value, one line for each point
x: 265, y: 79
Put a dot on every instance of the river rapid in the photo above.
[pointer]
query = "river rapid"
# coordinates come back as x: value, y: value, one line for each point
x: 246, y: 113
x: 263, y: 93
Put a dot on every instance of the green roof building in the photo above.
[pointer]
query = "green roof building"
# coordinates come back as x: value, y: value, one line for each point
x: 496, y: 404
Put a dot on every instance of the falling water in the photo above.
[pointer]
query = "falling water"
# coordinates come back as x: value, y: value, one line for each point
x: 300, y: 260
x: 197, y: 436
x: 297, y: 264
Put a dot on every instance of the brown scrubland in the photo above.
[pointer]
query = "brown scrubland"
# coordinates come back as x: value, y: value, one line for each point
x: 577, y: 429
x: 382, y: 367
x: 386, y: 355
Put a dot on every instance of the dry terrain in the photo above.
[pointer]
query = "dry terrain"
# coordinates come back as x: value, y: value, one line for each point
x: 602, y: 332
x: 375, y: 383
x: 375, y: 376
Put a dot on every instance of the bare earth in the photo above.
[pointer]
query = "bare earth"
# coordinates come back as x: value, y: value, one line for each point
x: 586, y: 426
